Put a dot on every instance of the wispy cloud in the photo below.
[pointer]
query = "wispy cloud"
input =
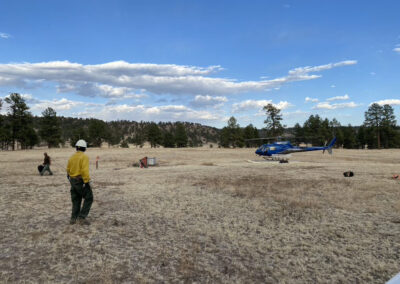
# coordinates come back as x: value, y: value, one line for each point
x: 313, y: 100
x: 296, y: 114
x: 208, y: 101
x: 393, y: 102
x: 88, y: 80
x: 397, y: 48
x: 339, y: 98
x: 4, y: 35
x: 329, y: 106
x: 258, y: 105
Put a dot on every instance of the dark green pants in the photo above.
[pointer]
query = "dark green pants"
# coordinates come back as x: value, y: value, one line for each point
x: 79, y: 192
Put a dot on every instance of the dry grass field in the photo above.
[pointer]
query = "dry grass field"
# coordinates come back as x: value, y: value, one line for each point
x: 203, y: 215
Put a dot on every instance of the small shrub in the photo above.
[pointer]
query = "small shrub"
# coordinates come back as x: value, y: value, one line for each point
x: 124, y: 144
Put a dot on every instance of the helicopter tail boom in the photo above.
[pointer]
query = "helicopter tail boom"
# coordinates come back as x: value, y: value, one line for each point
x: 332, y: 143
x: 329, y: 147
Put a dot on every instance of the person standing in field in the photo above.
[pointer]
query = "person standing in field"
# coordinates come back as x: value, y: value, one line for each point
x: 78, y: 175
x: 46, y: 165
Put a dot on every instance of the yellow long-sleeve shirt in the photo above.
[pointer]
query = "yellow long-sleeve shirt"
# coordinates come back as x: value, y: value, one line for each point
x: 78, y: 165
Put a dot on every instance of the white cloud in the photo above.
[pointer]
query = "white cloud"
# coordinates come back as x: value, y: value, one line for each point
x: 333, y: 86
x: 123, y: 77
x: 396, y: 49
x: 29, y: 99
x: 257, y: 105
x: 97, y: 90
x: 313, y: 100
x: 329, y: 106
x: 113, y: 111
x: 59, y: 105
x: 393, y: 102
x: 152, y: 113
x: 339, y: 98
x: 206, y: 101
x: 4, y: 35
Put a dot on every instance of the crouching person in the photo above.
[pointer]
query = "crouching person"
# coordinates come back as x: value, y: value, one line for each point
x: 46, y: 165
x: 78, y: 175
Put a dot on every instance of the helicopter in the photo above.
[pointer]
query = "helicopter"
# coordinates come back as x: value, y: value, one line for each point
x: 280, y: 151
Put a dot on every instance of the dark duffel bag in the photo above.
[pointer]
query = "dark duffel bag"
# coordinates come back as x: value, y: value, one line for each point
x: 40, y: 168
x: 348, y: 174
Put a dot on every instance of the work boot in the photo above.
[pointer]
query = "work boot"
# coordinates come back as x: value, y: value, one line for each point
x: 83, y: 221
x: 72, y: 221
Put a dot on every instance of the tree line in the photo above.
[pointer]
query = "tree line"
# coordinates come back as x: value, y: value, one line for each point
x: 20, y: 129
x: 379, y: 130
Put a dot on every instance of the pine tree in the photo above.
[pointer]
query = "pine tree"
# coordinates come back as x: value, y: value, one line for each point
x: 20, y: 122
x: 168, y: 140
x: 298, y: 133
x: 50, y: 130
x: 232, y: 135
x: 249, y: 133
x: 349, y: 137
x: 98, y: 132
x: 225, y: 139
x: 154, y: 135
x: 112, y: 134
x: 273, y: 121
x: 138, y: 139
x: 77, y: 134
x: 312, y: 128
x: 389, y: 133
x: 373, y: 120
x: 361, y: 137
x: 180, y: 135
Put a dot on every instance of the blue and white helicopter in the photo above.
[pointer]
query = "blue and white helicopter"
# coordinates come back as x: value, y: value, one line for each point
x: 280, y: 151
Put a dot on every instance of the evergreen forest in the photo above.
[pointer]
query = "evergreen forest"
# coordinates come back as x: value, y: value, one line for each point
x: 19, y: 129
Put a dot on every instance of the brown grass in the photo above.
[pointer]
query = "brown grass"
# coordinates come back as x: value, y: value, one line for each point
x: 190, y: 220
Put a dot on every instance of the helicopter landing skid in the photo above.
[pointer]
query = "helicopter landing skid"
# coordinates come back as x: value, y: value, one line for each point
x: 277, y: 157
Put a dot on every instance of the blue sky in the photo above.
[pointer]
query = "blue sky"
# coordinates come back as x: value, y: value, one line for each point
x: 202, y: 61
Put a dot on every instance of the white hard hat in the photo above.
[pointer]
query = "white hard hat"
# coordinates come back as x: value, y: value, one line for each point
x: 81, y: 143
